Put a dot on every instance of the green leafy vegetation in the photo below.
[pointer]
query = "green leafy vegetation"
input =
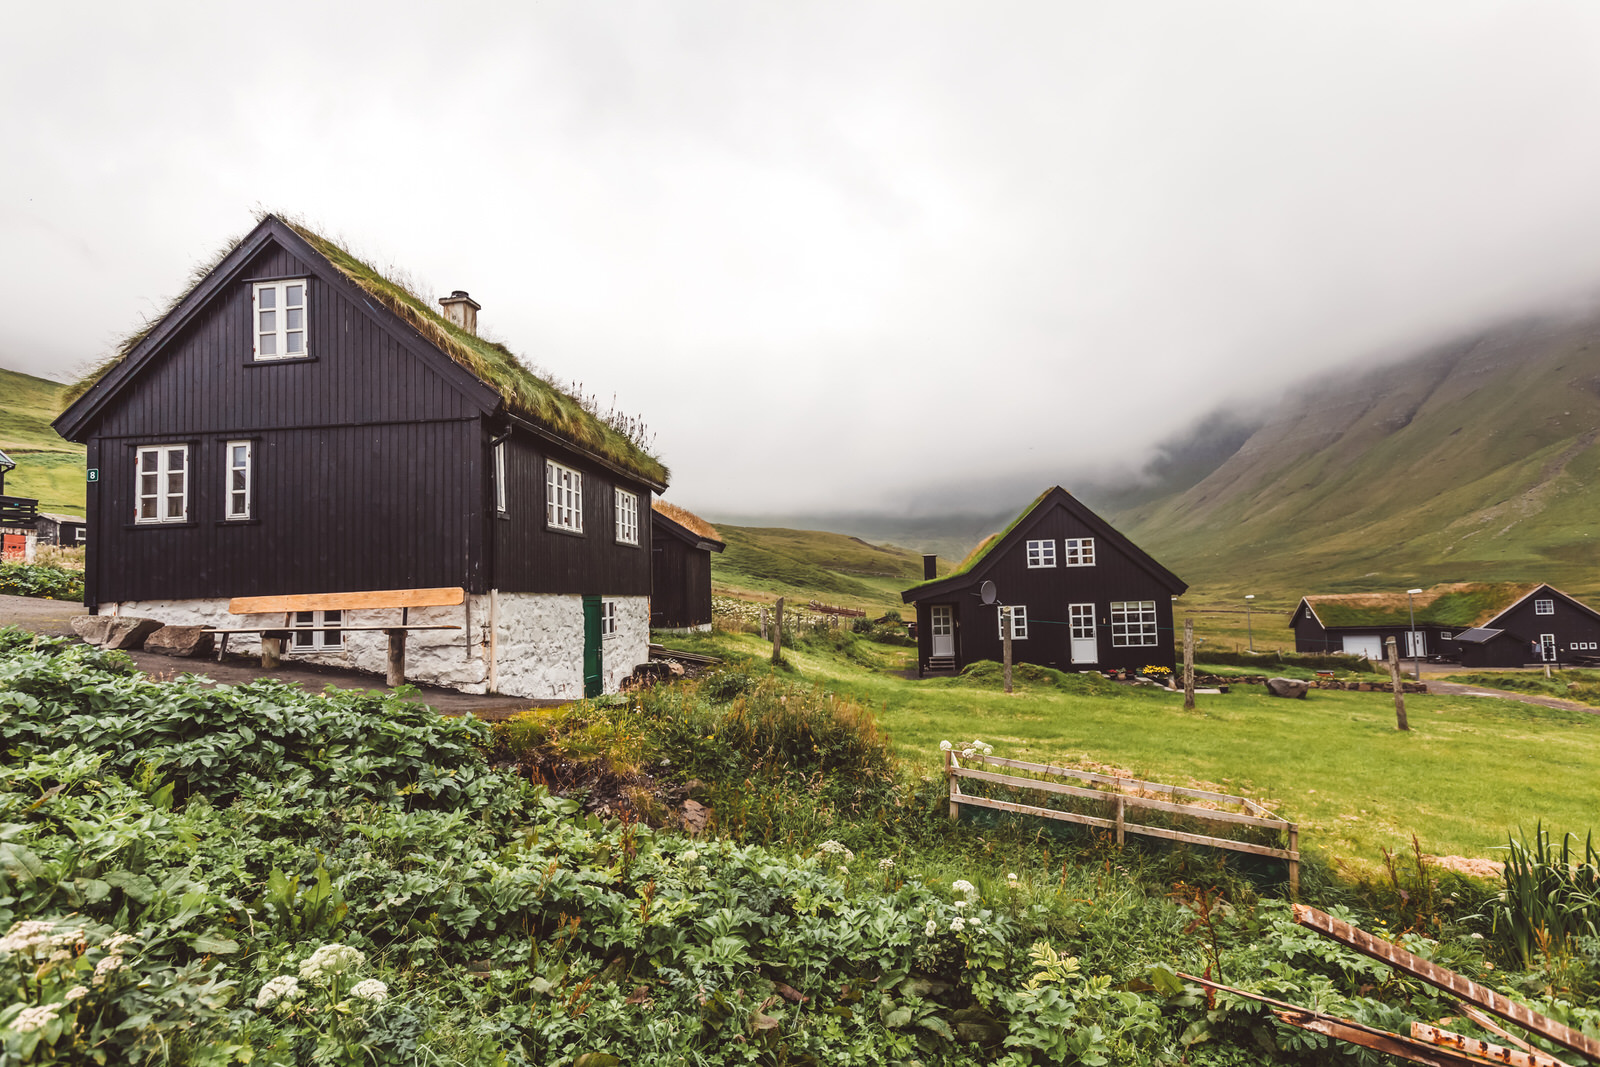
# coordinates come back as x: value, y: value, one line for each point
x: 41, y: 580
x: 1550, y: 908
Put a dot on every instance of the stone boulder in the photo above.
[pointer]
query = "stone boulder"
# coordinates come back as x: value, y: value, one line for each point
x: 92, y: 628
x: 186, y: 641
x: 114, y: 631
x: 1288, y: 687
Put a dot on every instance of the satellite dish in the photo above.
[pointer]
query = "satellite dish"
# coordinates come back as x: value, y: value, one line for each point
x: 988, y: 593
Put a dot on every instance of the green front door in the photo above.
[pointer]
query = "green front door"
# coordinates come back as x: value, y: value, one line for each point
x: 593, y: 683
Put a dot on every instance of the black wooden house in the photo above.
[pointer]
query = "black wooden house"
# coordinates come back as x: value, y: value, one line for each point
x: 298, y: 424
x: 681, y: 544
x: 1480, y: 624
x: 1083, y: 597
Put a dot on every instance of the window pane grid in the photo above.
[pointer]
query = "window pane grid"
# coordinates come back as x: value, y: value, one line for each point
x: 1544, y: 607
x: 627, y: 517
x: 608, y: 618
x: 1041, y: 553
x: 1078, y: 551
x: 280, y: 314
x: 239, y: 477
x: 1133, y: 623
x: 162, y: 484
x: 1019, y: 622
x: 563, y: 497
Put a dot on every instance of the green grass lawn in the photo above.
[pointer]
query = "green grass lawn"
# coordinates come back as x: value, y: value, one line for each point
x: 1469, y: 771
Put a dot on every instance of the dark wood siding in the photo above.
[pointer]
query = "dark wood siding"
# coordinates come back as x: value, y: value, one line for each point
x: 1568, y: 623
x: 1046, y: 592
x: 530, y: 557
x: 335, y: 509
x: 680, y: 583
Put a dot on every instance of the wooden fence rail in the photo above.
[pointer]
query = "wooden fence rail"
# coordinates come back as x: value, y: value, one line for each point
x: 1125, y: 795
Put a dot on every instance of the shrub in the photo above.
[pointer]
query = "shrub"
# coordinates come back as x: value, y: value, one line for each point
x: 41, y: 580
x: 1330, y: 661
x: 1549, y: 898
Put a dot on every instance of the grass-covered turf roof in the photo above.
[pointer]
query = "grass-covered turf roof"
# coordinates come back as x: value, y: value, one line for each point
x: 688, y: 520
x: 1458, y: 604
x: 524, y: 393
x: 977, y: 555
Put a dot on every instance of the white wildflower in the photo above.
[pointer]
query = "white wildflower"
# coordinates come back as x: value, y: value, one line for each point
x: 834, y: 848
x: 1011, y: 877
x: 105, y: 967
x: 29, y: 936
x: 330, y: 960
x: 958, y: 903
x: 33, y: 1019
x: 961, y: 885
x: 886, y: 864
x: 283, y: 987
x: 945, y: 746
x: 931, y: 929
x: 844, y: 872
x: 116, y: 943
x: 77, y: 992
x: 688, y: 857
x: 957, y: 924
x: 370, y: 989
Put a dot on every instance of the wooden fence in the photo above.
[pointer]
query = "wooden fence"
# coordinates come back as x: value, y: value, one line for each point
x: 1126, y: 796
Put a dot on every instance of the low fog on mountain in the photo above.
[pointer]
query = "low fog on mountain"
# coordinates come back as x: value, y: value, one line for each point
x: 894, y: 258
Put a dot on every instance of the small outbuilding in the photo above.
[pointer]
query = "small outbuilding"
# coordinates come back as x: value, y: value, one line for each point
x: 65, y: 531
x: 680, y: 568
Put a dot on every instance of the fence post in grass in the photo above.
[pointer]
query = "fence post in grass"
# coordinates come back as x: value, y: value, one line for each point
x: 777, y: 633
x: 1121, y: 831
x: 763, y: 624
x: 1294, y: 862
x: 1399, y: 691
x: 1188, y: 663
x: 950, y: 783
x: 1005, y: 629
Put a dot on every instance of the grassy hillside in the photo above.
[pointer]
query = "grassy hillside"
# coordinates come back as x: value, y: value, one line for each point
x: 813, y: 565
x: 49, y: 468
x: 1469, y: 463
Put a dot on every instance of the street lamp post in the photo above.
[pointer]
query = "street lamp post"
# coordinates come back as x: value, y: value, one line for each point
x: 1416, y: 668
x: 1247, y: 627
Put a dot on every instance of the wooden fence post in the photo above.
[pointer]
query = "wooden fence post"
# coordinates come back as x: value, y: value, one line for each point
x: 763, y: 624
x: 397, y: 658
x: 1121, y: 831
x: 1005, y: 628
x: 1188, y: 663
x: 1294, y: 862
x: 1399, y: 691
x: 777, y: 633
x: 950, y: 785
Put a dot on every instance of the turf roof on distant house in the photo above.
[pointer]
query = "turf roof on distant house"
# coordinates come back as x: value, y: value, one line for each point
x: 1456, y: 604
x: 687, y: 519
x: 523, y: 392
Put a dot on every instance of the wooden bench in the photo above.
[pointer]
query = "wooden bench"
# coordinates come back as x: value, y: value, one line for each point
x: 273, y: 636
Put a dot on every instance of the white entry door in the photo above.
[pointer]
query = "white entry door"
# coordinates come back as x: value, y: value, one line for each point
x: 941, y: 625
x: 1085, y: 649
x: 1547, y: 647
x: 1415, y: 646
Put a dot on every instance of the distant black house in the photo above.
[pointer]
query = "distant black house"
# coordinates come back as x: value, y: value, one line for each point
x: 680, y: 571
x: 1480, y: 624
x: 1083, y: 596
x: 66, y: 531
x: 299, y: 424
x: 18, y: 517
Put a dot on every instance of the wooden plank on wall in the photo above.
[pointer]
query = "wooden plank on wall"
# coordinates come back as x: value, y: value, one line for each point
x: 371, y: 598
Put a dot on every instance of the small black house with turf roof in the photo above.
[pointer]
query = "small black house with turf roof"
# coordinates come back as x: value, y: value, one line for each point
x: 298, y: 424
x: 1083, y: 597
x: 1482, y: 624
x: 681, y: 544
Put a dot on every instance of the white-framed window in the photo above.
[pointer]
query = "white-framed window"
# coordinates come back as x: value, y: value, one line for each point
x: 1078, y: 551
x: 627, y: 517
x: 161, y: 493
x: 1042, y: 553
x: 315, y: 639
x: 500, y: 477
x: 241, y: 479
x: 1133, y: 623
x: 563, y: 501
x: 608, y: 618
x: 280, y: 319
x: 1444, y: 637
x: 1019, y: 622
x: 1544, y: 607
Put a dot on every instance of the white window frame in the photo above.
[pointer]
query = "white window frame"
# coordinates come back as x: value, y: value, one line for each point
x: 238, y: 499
x: 1444, y: 636
x: 1544, y: 607
x: 162, y: 495
x: 1041, y: 554
x: 1077, y: 551
x: 1019, y: 622
x: 500, y: 477
x: 563, y: 497
x: 1134, y: 624
x: 278, y: 329
x: 608, y: 619
x: 317, y: 640
x: 627, y: 509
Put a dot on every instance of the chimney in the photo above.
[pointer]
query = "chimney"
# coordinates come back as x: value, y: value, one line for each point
x: 930, y: 567
x: 462, y: 310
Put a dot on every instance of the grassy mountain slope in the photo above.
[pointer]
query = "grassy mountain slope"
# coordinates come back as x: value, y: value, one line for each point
x: 810, y: 564
x: 49, y: 467
x: 1467, y: 463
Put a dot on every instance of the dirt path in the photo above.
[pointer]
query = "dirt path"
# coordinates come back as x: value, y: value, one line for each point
x: 1457, y: 689
x: 55, y: 617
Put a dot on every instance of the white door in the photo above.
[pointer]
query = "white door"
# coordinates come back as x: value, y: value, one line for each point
x: 1085, y: 649
x: 1415, y: 646
x: 1547, y: 647
x: 941, y: 626
x: 1368, y: 645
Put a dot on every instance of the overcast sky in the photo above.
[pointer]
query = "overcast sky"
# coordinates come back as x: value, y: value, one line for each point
x: 838, y: 255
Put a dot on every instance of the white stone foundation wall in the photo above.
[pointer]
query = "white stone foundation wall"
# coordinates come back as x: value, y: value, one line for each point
x: 538, y: 641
